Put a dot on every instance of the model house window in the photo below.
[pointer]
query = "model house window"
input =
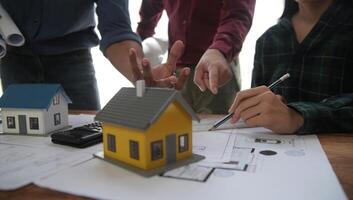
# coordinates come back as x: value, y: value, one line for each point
x: 33, y: 123
x: 111, y: 143
x: 157, y: 150
x: 134, y: 150
x: 56, y: 99
x: 183, y: 143
x: 11, y: 122
x: 57, y: 119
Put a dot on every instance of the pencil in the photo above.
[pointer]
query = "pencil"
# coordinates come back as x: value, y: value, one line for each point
x: 227, y: 117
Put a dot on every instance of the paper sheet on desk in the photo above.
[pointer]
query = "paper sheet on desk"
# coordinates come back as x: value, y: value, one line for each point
x: 193, y: 172
x: 206, y: 124
x: 24, y: 159
x: 218, y: 151
x: 22, y: 164
x: 224, y: 160
x: 298, y: 170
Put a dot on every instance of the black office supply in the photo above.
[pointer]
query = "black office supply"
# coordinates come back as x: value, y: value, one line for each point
x: 80, y: 137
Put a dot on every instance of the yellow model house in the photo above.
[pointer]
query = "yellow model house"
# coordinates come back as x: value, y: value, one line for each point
x: 147, y: 128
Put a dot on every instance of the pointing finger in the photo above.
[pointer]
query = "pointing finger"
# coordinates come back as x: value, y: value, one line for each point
x: 174, y: 54
x: 147, y: 72
x: 136, y: 72
x: 184, y: 73
x: 213, y: 80
x: 198, y: 78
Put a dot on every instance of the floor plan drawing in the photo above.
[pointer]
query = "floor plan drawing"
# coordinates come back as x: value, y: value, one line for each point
x: 237, y: 161
x: 248, y: 150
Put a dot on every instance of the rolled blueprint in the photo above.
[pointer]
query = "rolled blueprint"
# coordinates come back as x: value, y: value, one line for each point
x: 9, y: 30
x: 2, y: 48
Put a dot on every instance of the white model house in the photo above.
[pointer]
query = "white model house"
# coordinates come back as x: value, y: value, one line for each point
x: 34, y: 109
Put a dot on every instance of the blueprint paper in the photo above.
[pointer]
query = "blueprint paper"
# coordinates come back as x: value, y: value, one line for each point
x: 192, y: 172
x: 281, y: 167
x: 239, y: 160
x: 9, y: 30
x: 206, y: 124
x: 24, y: 159
x: 216, y: 147
x: 22, y: 164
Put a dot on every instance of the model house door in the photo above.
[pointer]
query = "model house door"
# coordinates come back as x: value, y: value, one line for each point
x: 22, y: 124
x: 171, y: 148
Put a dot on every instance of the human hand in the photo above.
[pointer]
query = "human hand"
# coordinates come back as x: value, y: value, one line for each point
x: 161, y: 75
x: 261, y: 107
x: 212, y: 71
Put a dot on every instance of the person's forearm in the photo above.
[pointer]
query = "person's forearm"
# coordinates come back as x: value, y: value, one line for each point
x: 118, y: 54
x: 334, y: 114
x: 235, y: 22
x: 150, y: 13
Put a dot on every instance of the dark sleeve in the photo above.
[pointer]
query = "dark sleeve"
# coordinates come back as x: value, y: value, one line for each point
x: 150, y: 13
x: 332, y: 115
x: 257, y: 72
x: 235, y: 22
x: 114, y: 22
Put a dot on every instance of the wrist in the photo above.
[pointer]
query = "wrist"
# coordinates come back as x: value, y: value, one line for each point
x: 296, y: 120
x: 217, y: 52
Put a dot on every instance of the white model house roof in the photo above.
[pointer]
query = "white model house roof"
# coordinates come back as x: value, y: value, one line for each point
x: 34, y: 96
x: 128, y: 110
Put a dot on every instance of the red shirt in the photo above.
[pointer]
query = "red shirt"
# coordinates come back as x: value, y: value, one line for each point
x: 200, y: 24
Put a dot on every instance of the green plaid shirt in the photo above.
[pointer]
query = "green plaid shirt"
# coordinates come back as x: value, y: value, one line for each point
x: 321, y: 69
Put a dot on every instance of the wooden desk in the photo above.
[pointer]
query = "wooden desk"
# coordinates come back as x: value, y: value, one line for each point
x: 338, y: 148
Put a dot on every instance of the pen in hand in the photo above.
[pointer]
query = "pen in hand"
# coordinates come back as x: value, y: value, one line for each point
x: 227, y: 117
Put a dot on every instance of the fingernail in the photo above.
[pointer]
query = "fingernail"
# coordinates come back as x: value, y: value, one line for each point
x: 187, y: 71
x: 173, y: 81
x: 234, y: 119
x: 202, y: 90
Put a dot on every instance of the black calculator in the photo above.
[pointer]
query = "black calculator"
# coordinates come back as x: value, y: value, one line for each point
x: 81, y: 137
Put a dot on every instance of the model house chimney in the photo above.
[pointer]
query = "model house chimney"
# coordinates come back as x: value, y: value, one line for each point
x: 140, y: 88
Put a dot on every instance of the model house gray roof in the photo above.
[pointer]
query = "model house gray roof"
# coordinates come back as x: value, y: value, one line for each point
x: 128, y: 110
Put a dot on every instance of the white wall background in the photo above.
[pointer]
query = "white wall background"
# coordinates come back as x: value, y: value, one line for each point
x: 110, y: 80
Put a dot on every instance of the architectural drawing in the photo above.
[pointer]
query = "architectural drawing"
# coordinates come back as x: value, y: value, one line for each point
x: 238, y: 150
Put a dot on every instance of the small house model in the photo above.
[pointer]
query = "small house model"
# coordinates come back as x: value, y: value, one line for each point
x: 34, y: 109
x: 147, y: 128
